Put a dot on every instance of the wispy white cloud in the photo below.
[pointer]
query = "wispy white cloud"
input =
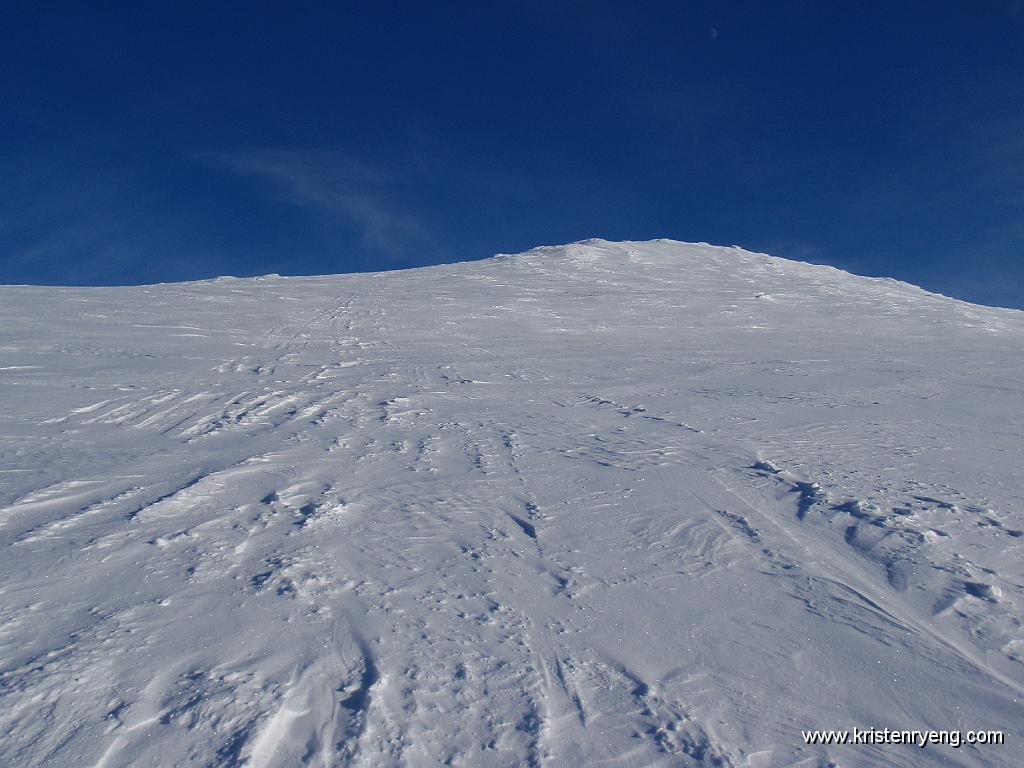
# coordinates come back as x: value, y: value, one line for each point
x: 342, y: 191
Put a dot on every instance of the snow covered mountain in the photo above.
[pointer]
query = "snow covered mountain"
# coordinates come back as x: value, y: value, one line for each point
x: 633, y: 504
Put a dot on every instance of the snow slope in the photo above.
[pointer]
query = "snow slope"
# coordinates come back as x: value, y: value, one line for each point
x: 606, y: 504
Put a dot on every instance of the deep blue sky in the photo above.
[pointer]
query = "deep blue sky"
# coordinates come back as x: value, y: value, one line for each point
x: 148, y: 141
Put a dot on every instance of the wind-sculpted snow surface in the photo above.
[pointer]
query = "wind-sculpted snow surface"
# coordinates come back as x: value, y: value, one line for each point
x: 638, y: 504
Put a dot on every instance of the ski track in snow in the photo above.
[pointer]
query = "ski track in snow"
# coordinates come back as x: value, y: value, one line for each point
x: 637, y: 504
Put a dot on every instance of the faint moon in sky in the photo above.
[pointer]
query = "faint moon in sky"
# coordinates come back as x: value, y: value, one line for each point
x: 713, y: 32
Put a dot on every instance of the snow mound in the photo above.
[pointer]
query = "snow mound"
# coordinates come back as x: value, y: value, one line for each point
x: 657, y: 504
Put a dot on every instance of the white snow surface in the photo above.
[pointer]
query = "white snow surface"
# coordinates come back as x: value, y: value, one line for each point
x: 604, y: 504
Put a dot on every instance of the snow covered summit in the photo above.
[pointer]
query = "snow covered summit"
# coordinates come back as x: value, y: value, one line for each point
x: 637, y: 504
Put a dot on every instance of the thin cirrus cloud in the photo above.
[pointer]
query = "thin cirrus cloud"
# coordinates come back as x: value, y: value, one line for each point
x: 342, y: 192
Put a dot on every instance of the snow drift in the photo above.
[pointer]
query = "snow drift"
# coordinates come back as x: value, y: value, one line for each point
x: 637, y: 504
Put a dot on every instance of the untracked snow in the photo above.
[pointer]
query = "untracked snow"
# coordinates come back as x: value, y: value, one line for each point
x: 606, y: 504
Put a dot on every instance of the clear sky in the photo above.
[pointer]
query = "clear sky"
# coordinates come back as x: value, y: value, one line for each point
x: 144, y: 141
